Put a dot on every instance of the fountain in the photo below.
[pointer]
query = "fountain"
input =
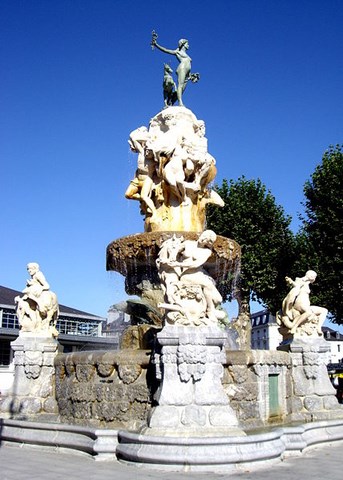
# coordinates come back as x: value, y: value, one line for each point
x: 181, y: 399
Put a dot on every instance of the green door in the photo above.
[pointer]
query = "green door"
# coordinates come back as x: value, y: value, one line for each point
x: 274, y: 408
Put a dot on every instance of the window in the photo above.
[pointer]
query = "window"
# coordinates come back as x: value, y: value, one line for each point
x: 5, y: 353
x: 9, y: 319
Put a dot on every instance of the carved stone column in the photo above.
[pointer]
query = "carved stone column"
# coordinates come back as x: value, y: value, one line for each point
x: 313, y: 396
x: 33, y: 390
x: 191, y: 399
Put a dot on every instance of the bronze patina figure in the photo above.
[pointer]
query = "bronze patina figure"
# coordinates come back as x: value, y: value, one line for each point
x: 184, y: 69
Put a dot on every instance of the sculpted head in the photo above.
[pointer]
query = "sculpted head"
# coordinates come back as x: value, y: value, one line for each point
x: 207, y: 238
x: 311, y: 275
x: 183, y: 43
x: 140, y: 135
x: 32, y: 268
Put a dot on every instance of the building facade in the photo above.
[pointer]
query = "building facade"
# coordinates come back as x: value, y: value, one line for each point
x: 264, y: 331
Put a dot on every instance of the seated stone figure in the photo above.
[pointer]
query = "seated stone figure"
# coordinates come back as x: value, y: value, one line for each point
x: 298, y: 316
x: 191, y: 297
x: 37, y: 309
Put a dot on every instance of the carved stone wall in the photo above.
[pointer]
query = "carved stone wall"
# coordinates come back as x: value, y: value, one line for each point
x: 247, y: 383
x: 115, y: 389
x: 104, y: 388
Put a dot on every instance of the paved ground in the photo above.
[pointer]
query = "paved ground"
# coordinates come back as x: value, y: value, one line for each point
x: 31, y: 463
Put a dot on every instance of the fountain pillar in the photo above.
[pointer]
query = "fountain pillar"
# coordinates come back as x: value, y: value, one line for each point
x: 313, y: 396
x: 33, y: 390
x: 191, y: 398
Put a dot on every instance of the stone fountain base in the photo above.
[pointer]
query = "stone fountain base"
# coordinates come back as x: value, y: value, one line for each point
x: 224, y: 454
x: 191, y: 399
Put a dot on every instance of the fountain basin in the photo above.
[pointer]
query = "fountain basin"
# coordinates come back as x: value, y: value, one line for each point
x: 221, y: 454
x: 134, y: 256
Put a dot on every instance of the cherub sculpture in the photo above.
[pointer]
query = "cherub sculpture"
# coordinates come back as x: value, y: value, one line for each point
x: 191, y: 297
x: 298, y: 315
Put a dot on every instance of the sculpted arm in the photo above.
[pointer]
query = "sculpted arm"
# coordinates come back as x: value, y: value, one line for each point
x: 163, y: 49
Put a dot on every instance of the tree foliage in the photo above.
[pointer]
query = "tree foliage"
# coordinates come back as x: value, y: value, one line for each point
x: 252, y: 218
x: 322, y: 231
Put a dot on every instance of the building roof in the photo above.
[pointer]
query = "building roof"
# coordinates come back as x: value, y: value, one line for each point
x: 262, y: 318
x: 7, y: 298
x: 333, y: 334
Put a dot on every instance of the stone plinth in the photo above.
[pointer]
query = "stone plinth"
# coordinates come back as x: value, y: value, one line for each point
x: 313, y: 396
x: 191, y: 399
x: 33, y: 390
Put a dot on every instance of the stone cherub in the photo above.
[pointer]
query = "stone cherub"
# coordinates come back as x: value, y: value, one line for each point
x: 191, y: 296
x: 298, y: 316
x: 183, y: 70
x: 37, y: 309
x: 141, y: 186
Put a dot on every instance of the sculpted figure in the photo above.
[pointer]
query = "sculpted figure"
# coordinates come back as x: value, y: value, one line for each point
x: 141, y: 186
x: 174, y: 172
x: 298, y: 315
x: 37, y: 309
x: 169, y: 87
x: 190, y: 293
x: 184, y: 69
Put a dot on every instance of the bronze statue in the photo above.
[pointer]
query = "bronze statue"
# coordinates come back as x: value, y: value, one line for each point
x: 184, y: 69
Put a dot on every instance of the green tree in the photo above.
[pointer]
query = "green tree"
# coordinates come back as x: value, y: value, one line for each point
x: 252, y: 218
x: 323, y: 230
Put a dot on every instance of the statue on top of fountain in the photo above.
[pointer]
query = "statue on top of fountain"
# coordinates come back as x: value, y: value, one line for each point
x: 191, y: 296
x: 174, y: 172
x: 174, y: 168
x: 183, y: 71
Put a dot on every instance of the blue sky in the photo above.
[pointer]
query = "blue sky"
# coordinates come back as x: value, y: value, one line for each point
x: 78, y: 76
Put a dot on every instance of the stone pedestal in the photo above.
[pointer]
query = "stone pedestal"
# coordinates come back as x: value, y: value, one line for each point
x: 313, y: 396
x: 33, y: 391
x: 191, y: 399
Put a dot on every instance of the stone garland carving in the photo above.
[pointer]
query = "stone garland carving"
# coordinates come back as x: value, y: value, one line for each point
x: 191, y: 360
x: 298, y: 317
x: 174, y: 170
x: 102, y: 388
x: 32, y: 363
x: 191, y: 297
x: 37, y: 309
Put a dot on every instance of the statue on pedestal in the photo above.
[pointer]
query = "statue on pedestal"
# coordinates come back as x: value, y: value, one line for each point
x: 37, y: 309
x: 191, y: 296
x: 298, y: 316
x: 183, y: 70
